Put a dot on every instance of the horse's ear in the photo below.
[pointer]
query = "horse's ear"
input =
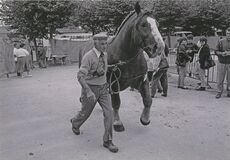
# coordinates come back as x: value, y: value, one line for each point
x: 137, y: 8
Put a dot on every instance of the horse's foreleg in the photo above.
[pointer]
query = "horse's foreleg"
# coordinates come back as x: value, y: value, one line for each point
x: 118, y: 126
x: 147, y: 100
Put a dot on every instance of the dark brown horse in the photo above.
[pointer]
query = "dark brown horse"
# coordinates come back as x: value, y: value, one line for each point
x: 137, y: 32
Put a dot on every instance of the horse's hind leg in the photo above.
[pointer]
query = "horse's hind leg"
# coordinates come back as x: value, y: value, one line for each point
x: 116, y: 102
x: 147, y: 100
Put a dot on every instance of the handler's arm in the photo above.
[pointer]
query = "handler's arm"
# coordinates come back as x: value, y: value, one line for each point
x: 81, y: 76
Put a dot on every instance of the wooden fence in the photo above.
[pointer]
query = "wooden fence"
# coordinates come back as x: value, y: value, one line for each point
x: 7, y: 64
x: 74, y: 50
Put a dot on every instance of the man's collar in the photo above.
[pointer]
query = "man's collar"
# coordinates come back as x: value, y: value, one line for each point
x: 97, y: 52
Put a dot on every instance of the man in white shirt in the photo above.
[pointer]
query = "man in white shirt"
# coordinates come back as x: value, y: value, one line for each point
x: 22, y: 60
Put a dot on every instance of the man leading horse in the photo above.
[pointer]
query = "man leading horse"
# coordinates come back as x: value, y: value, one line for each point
x: 137, y: 32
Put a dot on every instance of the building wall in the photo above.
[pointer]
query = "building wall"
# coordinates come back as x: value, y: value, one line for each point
x: 7, y: 64
x: 71, y: 48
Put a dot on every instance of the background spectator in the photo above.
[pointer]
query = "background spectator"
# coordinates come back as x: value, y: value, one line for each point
x: 204, y: 54
x: 192, y: 49
x: 181, y: 60
x: 223, y: 67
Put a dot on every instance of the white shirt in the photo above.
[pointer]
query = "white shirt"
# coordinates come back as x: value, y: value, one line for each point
x: 97, y: 52
x: 21, y: 52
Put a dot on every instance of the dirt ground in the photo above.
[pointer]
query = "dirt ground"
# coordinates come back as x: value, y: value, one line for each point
x: 35, y: 114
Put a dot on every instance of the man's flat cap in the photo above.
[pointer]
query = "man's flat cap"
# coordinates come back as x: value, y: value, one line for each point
x: 190, y: 36
x: 100, y: 36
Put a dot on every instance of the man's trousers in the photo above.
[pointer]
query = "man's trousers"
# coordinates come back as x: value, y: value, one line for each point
x: 103, y: 98
x: 222, y: 70
x: 162, y: 76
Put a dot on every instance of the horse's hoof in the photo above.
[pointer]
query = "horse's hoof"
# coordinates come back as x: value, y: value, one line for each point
x: 118, y: 128
x: 144, y: 123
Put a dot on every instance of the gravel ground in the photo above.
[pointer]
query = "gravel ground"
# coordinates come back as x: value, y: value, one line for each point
x: 35, y: 114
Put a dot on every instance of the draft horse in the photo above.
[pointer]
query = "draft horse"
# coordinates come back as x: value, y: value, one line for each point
x: 138, y: 32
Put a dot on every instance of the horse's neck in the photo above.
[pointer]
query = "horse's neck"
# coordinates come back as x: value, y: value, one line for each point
x: 122, y: 47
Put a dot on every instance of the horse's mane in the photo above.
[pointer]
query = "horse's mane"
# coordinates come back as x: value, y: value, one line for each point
x: 124, y: 21
x: 121, y: 25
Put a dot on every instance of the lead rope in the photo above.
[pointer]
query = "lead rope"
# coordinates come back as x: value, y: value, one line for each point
x: 117, y: 77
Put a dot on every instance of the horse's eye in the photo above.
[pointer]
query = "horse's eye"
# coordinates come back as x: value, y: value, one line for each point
x: 144, y: 25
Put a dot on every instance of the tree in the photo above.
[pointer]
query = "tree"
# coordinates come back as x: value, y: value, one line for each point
x: 87, y: 15
x: 225, y: 16
x: 36, y: 19
x: 205, y: 16
x: 169, y: 14
x: 104, y: 15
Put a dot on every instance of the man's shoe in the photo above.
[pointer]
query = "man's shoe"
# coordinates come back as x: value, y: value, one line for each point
x: 200, y: 89
x: 159, y: 90
x: 218, y: 96
x: 75, y: 130
x: 111, y: 147
x: 164, y: 94
x: 228, y: 95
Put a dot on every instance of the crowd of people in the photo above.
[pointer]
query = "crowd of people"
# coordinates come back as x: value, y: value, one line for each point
x: 186, y: 49
x: 23, y: 58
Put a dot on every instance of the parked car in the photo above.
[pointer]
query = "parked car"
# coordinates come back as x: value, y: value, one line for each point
x: 182, y: 33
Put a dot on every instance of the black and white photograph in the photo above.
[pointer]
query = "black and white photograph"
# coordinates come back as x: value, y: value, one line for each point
x: 115, y: 79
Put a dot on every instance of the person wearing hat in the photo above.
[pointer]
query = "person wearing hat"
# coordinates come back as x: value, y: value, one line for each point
x: 192, y: 49
x: 181, y: 60
x: 223, y: 67
x: 204, y: 54
x: 92, y: 78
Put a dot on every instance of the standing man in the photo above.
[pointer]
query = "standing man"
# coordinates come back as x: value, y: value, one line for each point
x: 92, y: 78
x: 192, y: 49
x: 223, y: 67
x: 159, y: 76
x: 42, y: 57
x: 22, y: 62
x: 16, y: 46
x: 204, y: 54
x: 182, y: 59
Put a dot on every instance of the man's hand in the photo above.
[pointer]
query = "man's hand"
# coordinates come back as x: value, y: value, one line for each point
x: 91, y: 96
x: 189, y: 51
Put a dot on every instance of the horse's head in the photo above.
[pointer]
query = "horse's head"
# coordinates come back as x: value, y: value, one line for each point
x: 146, y: 33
